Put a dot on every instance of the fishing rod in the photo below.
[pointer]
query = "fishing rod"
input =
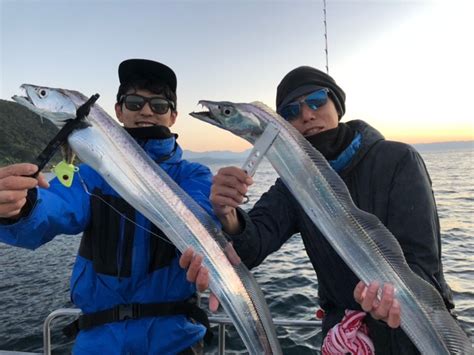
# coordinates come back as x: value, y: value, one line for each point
x: 78, y: 122
x: 326, y: 37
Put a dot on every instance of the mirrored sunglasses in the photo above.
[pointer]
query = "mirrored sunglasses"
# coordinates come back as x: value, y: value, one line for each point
x: 314, y: 101
x: 159, y: 105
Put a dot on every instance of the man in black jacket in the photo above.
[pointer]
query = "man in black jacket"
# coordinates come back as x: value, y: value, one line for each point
x: 387, y: 179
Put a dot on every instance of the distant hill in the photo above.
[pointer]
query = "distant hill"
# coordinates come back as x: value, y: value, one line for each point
x: 216, y: 156
x: 23, y: 134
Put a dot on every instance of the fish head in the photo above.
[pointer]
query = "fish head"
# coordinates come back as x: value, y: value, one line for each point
x: 238, y: 118
x: 56, y: 105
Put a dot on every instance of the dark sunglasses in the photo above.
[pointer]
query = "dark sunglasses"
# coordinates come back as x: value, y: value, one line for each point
x: 314, y: 101
x: 158, y: 105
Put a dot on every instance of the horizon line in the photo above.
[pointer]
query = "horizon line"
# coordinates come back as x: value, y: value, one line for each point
x: 245, y: 150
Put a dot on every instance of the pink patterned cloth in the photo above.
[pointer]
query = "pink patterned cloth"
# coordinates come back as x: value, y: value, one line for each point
x: 349, y: 336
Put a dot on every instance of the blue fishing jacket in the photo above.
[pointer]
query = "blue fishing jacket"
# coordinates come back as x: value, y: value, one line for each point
x: 118, y: 262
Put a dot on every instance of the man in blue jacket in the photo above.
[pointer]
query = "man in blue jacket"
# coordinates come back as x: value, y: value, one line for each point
x: 126, y: 279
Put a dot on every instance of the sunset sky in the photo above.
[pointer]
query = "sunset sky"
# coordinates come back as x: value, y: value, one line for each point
x: 406, y: 66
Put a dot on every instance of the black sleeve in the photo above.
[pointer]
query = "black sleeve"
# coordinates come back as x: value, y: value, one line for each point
x: 413, y: 219
x: 269, y: 224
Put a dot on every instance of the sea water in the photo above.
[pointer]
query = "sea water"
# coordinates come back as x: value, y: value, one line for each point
x: 35, y: 283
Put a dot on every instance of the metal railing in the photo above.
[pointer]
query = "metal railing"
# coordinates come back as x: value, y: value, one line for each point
x: 47, y: 325
x: 220, y: 321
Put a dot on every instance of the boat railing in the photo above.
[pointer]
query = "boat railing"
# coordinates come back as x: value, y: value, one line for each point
x: 222, y: 322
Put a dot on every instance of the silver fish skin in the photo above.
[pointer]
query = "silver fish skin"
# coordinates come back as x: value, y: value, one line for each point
x: 362, y: 241
x: 114, y: 154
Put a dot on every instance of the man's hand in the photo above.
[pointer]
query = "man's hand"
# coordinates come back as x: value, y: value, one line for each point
x: 199, y: 274
x: 14, y: 185
x: 386, y: 309
x: 228, y: 190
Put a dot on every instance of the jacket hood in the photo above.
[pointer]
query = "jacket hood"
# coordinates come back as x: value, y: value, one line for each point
x: 370, y: 136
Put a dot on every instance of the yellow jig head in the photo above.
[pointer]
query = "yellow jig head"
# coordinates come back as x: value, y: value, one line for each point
x: 65, y: 172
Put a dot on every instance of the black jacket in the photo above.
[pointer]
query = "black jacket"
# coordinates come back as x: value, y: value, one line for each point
x: 387, y: 179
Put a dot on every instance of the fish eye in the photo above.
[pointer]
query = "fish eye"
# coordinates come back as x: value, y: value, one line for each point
x: 227, y: 110
x: 42, y: 92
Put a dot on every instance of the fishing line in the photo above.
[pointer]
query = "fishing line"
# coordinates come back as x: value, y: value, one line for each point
x: 118, y: 212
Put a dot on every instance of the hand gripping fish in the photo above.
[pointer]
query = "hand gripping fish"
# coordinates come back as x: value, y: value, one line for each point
x: 114, y: 154
x: 358, y: 237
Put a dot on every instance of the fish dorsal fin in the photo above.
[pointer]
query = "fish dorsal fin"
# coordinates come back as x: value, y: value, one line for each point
x: 263, y: 107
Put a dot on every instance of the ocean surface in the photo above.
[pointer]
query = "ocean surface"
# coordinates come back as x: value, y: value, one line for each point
x: 34, y: 283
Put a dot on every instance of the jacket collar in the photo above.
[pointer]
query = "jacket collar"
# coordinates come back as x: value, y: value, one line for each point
x: 369, y: 137
x: 166, y: 150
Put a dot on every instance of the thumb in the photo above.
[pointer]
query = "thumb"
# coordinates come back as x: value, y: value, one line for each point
x: 42, y: 181
x: 213, y: 303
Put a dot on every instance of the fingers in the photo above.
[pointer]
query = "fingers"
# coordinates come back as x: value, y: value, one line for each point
x: 369, y: 297
x: 42, y: 181
x: 232, y: 173
x: 18, y: 177
x: 186, y: 258
x: 202, y: 280
x: 387, y: 308
x: 394, y: 316
x: 359, y: 291
x: 213, y: 303
x: 194, y: 268
x: 232, y: 254
x: 385, y: 303
x: 197, y: 273
x: 226, y: 196
x: 11, y: 210
x: 14, y: 186
x: 229, y: 186
x: 23, y: 169
x: 13, y: 182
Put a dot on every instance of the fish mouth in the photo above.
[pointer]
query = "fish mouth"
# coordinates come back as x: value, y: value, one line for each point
x: 201, y: 114
x: 28, y: 101
x: 206, y: 114
x: 24, y: 100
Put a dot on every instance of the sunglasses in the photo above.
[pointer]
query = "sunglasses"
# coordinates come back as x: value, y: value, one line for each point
x: 159, y: 105
x: 314, y: 101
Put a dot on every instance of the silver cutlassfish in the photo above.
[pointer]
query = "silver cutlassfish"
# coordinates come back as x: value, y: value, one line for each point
x: 362, y: 241
x: 114, y: 154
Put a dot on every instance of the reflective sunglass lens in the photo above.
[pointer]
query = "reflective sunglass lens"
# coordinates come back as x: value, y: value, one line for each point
x: 290, y: 111
x: 317, y: 95
x: 315, y: 104
x: 314, y: 101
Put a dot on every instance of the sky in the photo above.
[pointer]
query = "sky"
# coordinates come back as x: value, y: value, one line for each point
x: 406, y: 66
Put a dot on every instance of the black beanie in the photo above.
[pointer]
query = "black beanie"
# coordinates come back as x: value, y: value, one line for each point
x: 304, y: 80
